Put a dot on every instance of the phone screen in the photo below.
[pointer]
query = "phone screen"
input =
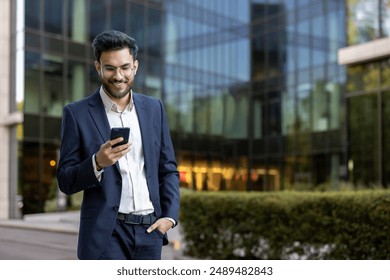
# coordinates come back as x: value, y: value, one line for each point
x: 117, y: 132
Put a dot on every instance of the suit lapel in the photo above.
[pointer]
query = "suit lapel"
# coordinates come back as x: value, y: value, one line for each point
x: 99, y: 116
x: 144, y: 124
x: 141, y: 114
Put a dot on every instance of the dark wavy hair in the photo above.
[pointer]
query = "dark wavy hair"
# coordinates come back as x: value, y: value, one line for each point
x: 113, y: 40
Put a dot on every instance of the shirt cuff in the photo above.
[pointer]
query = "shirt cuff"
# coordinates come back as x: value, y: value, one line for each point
x: 172, y: 220
x: 98, y: 174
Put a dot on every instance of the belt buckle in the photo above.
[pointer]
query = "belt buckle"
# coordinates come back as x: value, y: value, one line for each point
x: 133, y: 219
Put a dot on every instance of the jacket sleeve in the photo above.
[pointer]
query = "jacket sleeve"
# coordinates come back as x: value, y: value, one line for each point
x: 75, y: 170
x: 168, y: 173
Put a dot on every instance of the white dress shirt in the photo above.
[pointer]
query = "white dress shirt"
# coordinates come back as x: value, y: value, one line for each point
x: 135, y: 197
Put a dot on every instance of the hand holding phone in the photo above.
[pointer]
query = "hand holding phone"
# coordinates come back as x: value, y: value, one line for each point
x: 117, y: 132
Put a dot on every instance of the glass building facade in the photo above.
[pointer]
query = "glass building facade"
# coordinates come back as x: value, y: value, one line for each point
x: 254, y: 93
x: 367, y: 94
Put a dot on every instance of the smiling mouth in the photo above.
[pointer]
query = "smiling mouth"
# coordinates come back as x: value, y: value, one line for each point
x: 118, y: 84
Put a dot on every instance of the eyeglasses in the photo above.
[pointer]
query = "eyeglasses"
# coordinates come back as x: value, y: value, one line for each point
x: 125, y: 70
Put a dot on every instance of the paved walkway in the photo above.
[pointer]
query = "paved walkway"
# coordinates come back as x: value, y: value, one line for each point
x: 68, y: 222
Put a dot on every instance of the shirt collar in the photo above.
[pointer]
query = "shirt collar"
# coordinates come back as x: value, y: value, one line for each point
x: 110, y: 105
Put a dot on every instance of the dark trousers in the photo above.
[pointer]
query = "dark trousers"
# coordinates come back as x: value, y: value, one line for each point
x: 132, y: 242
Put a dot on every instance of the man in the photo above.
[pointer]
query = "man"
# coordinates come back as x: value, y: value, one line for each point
x: 131, y: 192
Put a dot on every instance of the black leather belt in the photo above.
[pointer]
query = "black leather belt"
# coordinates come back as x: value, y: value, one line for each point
x: 137, y: 219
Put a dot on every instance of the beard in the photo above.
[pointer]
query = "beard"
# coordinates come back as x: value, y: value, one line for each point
x: 117, y: 89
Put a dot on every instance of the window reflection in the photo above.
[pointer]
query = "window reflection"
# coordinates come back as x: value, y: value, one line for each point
x: 76, y: 81
x: 53, y: 16
x: 52, y: 94
x: 32, y: 10
x: 77, y: 21
x: 32, y: 82
x: 137, y: 27
x: 53, y: 45
x: 363, y: 129
x: 386, y: 137
x: 385, y: 73
x: 362, y: 77
x: 215, y: 176
x: 303, y: 110
x: 154, y: 32
x: 38, y: 177
x: 118, y: 14
x: 320, y: 108
x: 289, y: 117
x: 97, y: 18
x: 368, y: 20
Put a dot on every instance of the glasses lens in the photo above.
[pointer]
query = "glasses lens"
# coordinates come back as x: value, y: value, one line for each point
x: 123, y: 71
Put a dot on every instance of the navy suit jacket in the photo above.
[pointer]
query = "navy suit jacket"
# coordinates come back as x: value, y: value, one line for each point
x: 85, y: 128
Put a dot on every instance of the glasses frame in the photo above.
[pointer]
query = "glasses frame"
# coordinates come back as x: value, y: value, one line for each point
x: 125, y: 70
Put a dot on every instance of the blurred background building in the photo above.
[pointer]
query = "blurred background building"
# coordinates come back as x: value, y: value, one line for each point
x: 261, y: 95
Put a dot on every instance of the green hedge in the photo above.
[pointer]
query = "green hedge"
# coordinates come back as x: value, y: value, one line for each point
x: 286, y: 225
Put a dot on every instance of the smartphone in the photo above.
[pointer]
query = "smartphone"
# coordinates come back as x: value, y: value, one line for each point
x: 117, y: 132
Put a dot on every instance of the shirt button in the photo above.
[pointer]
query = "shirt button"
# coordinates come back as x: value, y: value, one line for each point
x: 116, y: 208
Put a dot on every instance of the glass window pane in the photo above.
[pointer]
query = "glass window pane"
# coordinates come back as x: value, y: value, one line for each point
x: 76, y: 81
x: 303, y: 57
x: 118, y: 15
x: 202, y: 113
x: 265, y: 176
x: 172, y: 107
x: 320, y: 120
x: 53, y: 45
x: 385, y: 71
x: 53, y: 16
x: 32, y: 82
x: 257, y: 118
x: 288, y: 115
x: 363, y: 21
x: 273, y: 119
x: 77, y: 50
x: 217, y: 113
x: 362, y: 77
x: 259, y: 56
x: 303, y: 106
x: 137, y: 25
x: 154, y: 32
x: 32, y: 10
x: 186, y: 108
x: 386, y: 137
x: 336, y: 106
x: 236, y: 118
x: 336, y: 33
x: 51, y: 129
x: 97, y: 16
x: 77, y: 20
x: 153, y: 81
x: 363, y: 130
x: 38, y: 177
x: 32, y: 40
x: 33, y: 202
x: 385, y: 18
x: 52, y: 103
